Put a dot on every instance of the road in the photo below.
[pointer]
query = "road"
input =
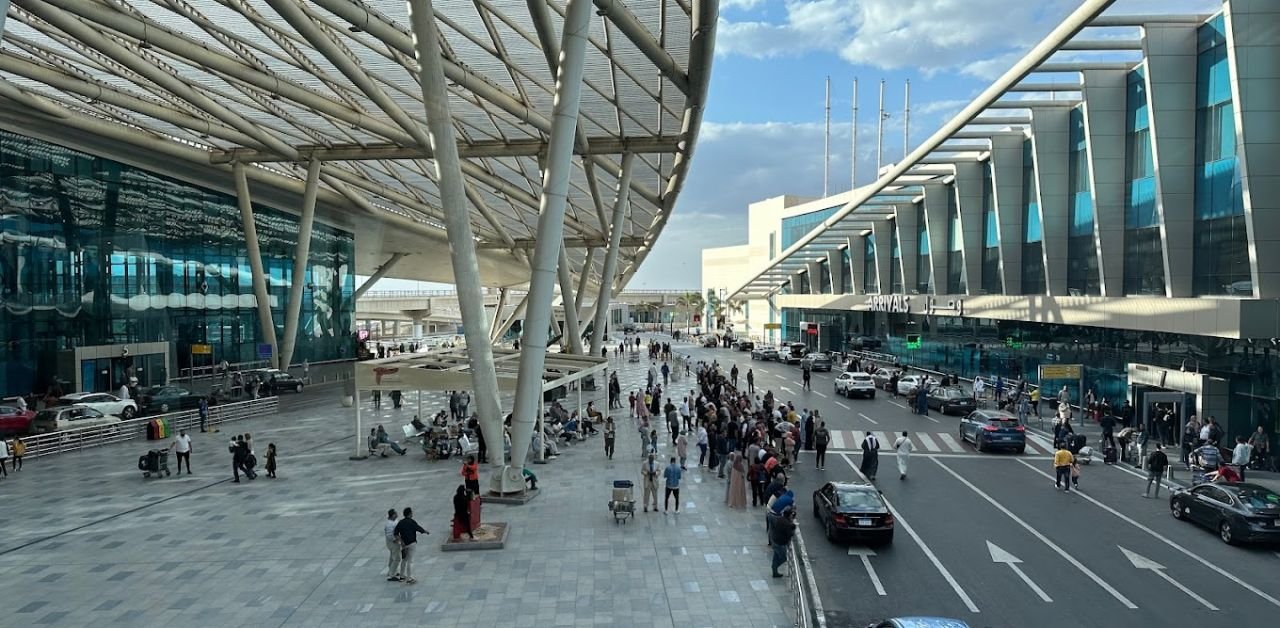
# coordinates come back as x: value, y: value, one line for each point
x: 986, y: 538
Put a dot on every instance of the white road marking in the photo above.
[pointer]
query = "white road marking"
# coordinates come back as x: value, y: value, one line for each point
x: 950, y: 441
x: 787, y: 390
x: 837, y: 439
x: 873, y: 421
x: 942, y: 569
x: 1142, y: 562
x: 1040, y: 441
x: 932, y: 419
x: 1043, y: 539
x: 896, y: 404
x: 927, y: 441
x: 843, y: 406
x: 998, y: 555
x: 886, y: 440
x: 1167, y: 541
x: 865, y: 553
x: 819, y: 394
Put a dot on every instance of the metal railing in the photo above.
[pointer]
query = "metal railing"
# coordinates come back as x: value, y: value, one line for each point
x: 86, y: 437
x: 804, y: 587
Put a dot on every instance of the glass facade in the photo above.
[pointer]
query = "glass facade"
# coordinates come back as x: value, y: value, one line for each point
x: 1082, y: 255
x: 870, y: 279
x: 805, y: 285
x: 795, y: 227
x: 846, y: 274
x: 992, y: 283
x: 1221, y: 246
x: 924, y: 270
x: 1032, y: 233
x: 955, y: 247
x: 824, y: 277
x: 96, y: 252
x: 895, y: 263
x: 1144, y: 252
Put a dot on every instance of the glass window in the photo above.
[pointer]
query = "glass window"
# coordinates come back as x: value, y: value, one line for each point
x: 870, y: 280
x: 1033, y: 268
x: 795, y: 227
x: 1143, y: 262
x: 1031, y: 229
x: 895, y: 265
x: 824, y: 277
x: 1082, y: 265
x: 846, y: 272
x: 1220, y: 242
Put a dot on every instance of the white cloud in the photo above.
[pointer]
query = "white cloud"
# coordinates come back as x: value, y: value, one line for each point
x: 745, y: 5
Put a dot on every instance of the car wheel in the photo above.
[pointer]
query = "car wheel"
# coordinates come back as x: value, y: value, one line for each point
x: 1021, y: 450
x: 885, y: 540
x: 1175, y: 508
x: 872, y: 395
x: 977, y: 443
x: 1224, y: 532
x: 128, y: 413
x: 831, y: 532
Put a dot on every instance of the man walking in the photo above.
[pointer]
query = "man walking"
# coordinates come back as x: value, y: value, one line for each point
x: 821, y: 437
x: 806, y: 375
x: 1108, y: 423
x: 733, y: 375
x: 203, y: 409
x: 870, y: 456
x: 182, y: 449
x: 1241, y: 455
x: 780, y: 535
x: 406, y: 533
x: 610, y: 436
x: 1157, y: 462
x: 672, y: 475
x: 393, y: 547
x: 649, y: 483
x: 751, y: 382
x: 1062, y: 461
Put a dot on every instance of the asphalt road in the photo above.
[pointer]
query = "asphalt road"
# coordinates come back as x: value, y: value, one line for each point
x: 1103, y: 556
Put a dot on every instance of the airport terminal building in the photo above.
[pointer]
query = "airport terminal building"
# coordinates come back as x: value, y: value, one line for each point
x: 1113, y: 201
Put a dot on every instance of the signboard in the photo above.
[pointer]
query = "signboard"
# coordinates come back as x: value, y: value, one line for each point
x: 891, y: 303
x: 913, y: 341
x: 1012, y: 343
x: 773, y: 325
x: 264, y: 351
x: 1061, y: 371
x: 201, y: 349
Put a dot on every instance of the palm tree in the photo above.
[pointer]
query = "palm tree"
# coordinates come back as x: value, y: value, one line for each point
x: 690, y: 302
x: 734, y: 308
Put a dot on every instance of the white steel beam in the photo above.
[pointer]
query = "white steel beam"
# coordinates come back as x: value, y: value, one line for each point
x: 255, y: 261
x: 378, y: 274
x: 621, y: 16
x: 564, y: 273
x: 301, y: 254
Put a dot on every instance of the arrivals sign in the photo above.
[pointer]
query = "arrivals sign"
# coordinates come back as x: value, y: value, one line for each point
x: 1061, y: 371
x: 891, y: 303
x: 201, y: 349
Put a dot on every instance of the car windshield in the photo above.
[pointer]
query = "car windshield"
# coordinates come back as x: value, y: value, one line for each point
x: 1259, y: 499
x: 47, y: 415
x: 858, y: 500
x: 1005, y: 422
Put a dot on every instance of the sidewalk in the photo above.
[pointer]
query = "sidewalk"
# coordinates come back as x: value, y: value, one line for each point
x: 89, y: 542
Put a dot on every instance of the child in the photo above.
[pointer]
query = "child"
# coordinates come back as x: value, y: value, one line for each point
x: 1075, y: 475
x: 271, y: 460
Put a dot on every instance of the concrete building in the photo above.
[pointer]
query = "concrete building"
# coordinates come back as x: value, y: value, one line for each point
x: 1108, y: 202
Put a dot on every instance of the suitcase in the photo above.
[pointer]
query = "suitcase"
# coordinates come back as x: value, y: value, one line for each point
x: 1109, y: 455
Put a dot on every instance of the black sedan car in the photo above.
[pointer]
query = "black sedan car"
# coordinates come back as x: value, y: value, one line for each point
x: 163, y: 399
x: 951, y: 401
x: 853, y: 511
x: 1240, y: 512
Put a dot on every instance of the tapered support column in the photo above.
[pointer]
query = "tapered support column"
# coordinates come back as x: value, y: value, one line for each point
x: 584, y: 279
x: 1006, y: 162
x: 835, y: 266
x: 968, y: 199
x: 462, y: 244
x: 1049, y: 137
x: 882, y: 234
x: 555, y: 189
x: 293, y: 308
x: 620, y: 200
x: 379, y: 274
x: 937, y: 217
x: 255, y: 260
x: 1105, y: 107
x: 511, y: 320
x: 857, y: 256
x: 571, y: 326
x: 497, y: 312
x: 908, y: 246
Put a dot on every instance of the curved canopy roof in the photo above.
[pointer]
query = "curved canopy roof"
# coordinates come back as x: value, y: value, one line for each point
x: 187, y: 87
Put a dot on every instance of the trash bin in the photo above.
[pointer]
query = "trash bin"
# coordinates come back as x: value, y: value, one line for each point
x: 157, y: 429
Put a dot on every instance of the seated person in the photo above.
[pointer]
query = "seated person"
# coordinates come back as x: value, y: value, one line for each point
x: 384, y: 437
x: 418, y: 425
x: 570, y: 430
x: 1225, y: 473
x: 530, y: 479
x: 376, y: 447
x: 559, y: 412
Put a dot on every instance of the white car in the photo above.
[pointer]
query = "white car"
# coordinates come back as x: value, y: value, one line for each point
x: 908, y: 385
x: 105, y: 403
x: 855, y: 384
x: 60, y: 418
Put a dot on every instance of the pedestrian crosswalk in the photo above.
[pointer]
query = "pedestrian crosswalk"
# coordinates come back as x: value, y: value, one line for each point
x: 925, y: 442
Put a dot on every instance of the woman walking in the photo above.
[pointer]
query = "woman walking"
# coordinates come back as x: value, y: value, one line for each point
x: 271, y: 460
x: 462, y: 511
x: 610, y: 437
x: 904, y: 448
x: 870, y: 456
x: 471, y: 475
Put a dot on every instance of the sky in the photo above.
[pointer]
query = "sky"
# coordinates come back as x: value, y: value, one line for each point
x: 762, y: 132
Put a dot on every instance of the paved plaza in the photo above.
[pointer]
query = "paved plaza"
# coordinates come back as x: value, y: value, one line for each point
x: 88, y: 541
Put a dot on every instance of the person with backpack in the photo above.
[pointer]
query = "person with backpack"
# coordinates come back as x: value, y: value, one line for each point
x: 1156, y: 464
x: 821, y: 438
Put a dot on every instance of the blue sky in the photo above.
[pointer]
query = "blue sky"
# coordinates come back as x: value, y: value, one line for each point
x: 762, y: 133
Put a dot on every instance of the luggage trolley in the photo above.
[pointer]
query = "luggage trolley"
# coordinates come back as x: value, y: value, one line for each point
x: 623, y: 504
x: 154, y: 462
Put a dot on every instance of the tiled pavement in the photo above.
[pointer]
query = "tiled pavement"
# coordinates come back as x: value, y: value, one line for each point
x: 87, y: 541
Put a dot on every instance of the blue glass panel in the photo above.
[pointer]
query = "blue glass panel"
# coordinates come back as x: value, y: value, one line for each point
x: 1081, y: 214
x: 1140, y: 208
x: 795, y: 227
x: 1033, y: 228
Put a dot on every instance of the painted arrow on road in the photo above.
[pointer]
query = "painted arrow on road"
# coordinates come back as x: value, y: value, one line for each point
x: 865, y: 553
x: 1142, y: 562
x: 998, y: 555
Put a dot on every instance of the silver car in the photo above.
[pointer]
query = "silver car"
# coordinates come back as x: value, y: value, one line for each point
x: 817, y: 362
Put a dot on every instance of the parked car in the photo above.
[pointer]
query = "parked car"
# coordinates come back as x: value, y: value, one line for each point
x: 711, y: 342
x: 1240, y: 512
x: 853, y: 511
x: 866, y: 343
x: 795, y: 352
x: 951, y: 401
x: 852, y: 384
x: 60, y: 418
x: 765, y: 353
x: 744, y: 345
x: 882, y: 377
x: 162, y: 399
x: 105, y: 403
x: 274, y: 381
x: 993, y: 429
x: 919, y: 622
x: 15, y: 421
x: 908, y: 384
x: 817, y: 362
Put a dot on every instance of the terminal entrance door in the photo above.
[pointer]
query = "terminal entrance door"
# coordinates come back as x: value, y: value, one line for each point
x: 1155, y: 404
